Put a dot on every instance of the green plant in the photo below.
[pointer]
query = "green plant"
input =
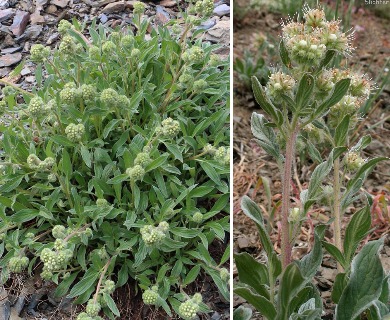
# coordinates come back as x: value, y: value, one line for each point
x: 307, y: 100
x: 114, y: 168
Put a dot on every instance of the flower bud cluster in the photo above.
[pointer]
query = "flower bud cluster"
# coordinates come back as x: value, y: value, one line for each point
x: 94, y: 52
x: 150, y: 296
x: 136, y: 173
x: 139, y: 7
x: 18, y: 264
x: 308, y: 42
x: 88, y: 92
x: 135, y: 54
x: 69, y: 93
x: 36, y: 107
x: 109, y: 97
x: 102, y: 203
x: 154, y: 235
x: 189, y: 308
x: 222, y: 155
x: 209, y: 149
x: 353, y: 161
x: 193, y: 55
x: 35, y: 163
x: 59, y: 231
x: 67, y: 46
x: 170, y: 128
x: 108, y: 287
x: 64, y: 26
x: 108, y: 47
x: 74, y: 132
x: 204, y: 8
x: 86, y: 316
x: 214, y: 60
x: 199, y: 85
x: 280, y: 83
x: 143, y: 159
x: 39, y: 53
x: 197, y: 217
x: 93, y: 308
x: 55, y: 260
x: 295, y: 214
x: 224, y: 274
x: 127, y: 41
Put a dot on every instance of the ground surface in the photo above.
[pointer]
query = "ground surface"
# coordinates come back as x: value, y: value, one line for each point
x: 251, y: 164
x: 26, y: 22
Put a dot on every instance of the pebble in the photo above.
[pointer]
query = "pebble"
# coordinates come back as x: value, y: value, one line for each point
x: 222, y: 10
x: 10, y: 50
x: 168, y: 3
x: 4, y: 4
x: 51, y: 8
x: 114, y: 7
x: 20, y: 22
x: 208, y: 24
x: 6, y: 14
x: 103, y: 18
x: 219, y: 33
x: 60, y: 3
x: 10, y: 59
x: 54, y: 37
x: 4, y: 72
x: 33, y: 31
x: 162, y: 17
x: 25, y: 71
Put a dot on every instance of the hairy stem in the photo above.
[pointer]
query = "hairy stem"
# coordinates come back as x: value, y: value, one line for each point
x: 336, y: 209
x: 95, y: 297
x: 286, y: 189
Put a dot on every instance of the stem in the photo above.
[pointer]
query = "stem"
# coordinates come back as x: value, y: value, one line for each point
x: 95, y: 297
x: 16, y: 87
x: 286, y: 190
x: 336, y: 209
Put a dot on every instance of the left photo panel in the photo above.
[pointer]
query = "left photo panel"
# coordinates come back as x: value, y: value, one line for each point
x: 114, y: 159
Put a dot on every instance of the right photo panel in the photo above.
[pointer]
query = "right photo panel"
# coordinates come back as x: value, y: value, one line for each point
x: 311, y: 147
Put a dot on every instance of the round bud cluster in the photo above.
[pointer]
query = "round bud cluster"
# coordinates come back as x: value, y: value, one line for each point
x: 224, y: 274
x: 189, y: 308
x: 193, y: 20
x: 143, y: 159
x: 199, y: 85
x: 36, y: 107
x: 186, y: 79
x: 88, y: 232
x: 109, y: 97
x: 170, y: 127
x: 135, y: 54
x: 136, y: 173
x: 74, y: 132
x: 3, y: 106
x: 176, y: 29
x: 47, y: 164
x: 139, y: 7
x: 150, y: 296
x: 93, y: 308
x: 18, y: 264
x: 313, y: 133
x: 59, y: 244
x: 295, y: 214
x: 210, y: 149
x: 360, y: 86
x: 94, y: 52
x: 348, y: 105
x: 197, y: 217
x: 68, y: 94
x: 39, y: 53
x: 33, y: 161
x: 306, y: 49
x: 55, y: 260
x: 84, y: 316
x: 123, y: 102
x: 59, y: 231
x: 324, y: 82
x: 102, y: 203
x: 2, y: 236
x: 88, y: 92
x: 215, y: 60
x: 64, y: 26
x: 154, y: 235
x: 127, y: 41
x: 29, y: 235
x: 8, y: 90
x: 314, y: 18
x: 108, y: 287
x: 115, y: 36
x: 67, y: 46
x: 193, y: 55
x: 108, y: 47
x: 353, y: 161
x: 222, y: 155
x: 279, y: 83
x: 327, y: 195
x: 204, y: 8
x: 46, y: 274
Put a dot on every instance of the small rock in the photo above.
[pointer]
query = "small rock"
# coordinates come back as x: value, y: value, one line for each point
x: 4, y: 72
x: 30, y: 79
x: 4, y: 4
x: 162, y: 17
x: 20, y: 22
x: 168, y: 3
x: 54, y: 37
x: 37, y: 18
x: 98, y: 3
x: 207, y: 24
x: 222, y: 10
x: 242, y: 243
x: 5, y: 308
x: 10, y: 59
x: 51, y: 9
x: 33, y: 31
x: 103, y: 18
x: 220, y: 33
x: 10, y: 50
x: 6, y: 14
x: 25, y: 71
x: 60, y: 3
x: 114, y: 7
x: 8, y: 42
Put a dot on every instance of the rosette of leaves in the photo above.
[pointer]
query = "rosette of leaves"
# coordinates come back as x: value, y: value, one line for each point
x: 127, y: 140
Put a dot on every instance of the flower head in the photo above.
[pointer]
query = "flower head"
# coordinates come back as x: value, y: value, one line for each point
x: 74, y: 132
x: 39, y: 53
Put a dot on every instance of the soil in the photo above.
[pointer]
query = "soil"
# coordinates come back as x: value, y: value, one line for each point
x: 252, y: 166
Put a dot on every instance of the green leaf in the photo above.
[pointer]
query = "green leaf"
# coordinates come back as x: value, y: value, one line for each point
x: 242, y: 313
x: 365, y: 168
x: 86, y: 156
x: 338, y: 287
x: 362, y: 143
x: 327, y: 59
x: 211, y: 172
x: 118, y: 179
x: 110, y: 126
x: 263, y: 101
x: 310, y: 263
x: 284, y: 54
x: 355, y: 232
x: 156, y: 163
x: 252, y: 210
x: 25, y: 215
x: 174, y: 149
x: 263, y: 305
x: 335, y: 252
x: 11, y: 184
x: 62, y: 141
x: 341, y: 132
x: 111, y: 304
x: 192, y: 275
x: 365, y: 283
x: 252, y: 273
x: 85, y: 283
x: 305, y: 91
x: 65, y: 284
x: 266, y: 137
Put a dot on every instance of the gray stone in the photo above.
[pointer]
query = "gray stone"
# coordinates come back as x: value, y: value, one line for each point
x: 222, y: 10
x: 60, y: 3
x: 6, y: 14
x: 10, y: 59
x: 114, y: 7
x: 103, y: 18
x: 20, y: 22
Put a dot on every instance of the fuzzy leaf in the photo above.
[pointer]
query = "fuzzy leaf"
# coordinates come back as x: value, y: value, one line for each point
x: 335, y: 252
x: 305, y: 90
x: 341, y: 131
x: 284, y: 54
x: 242, y: 313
